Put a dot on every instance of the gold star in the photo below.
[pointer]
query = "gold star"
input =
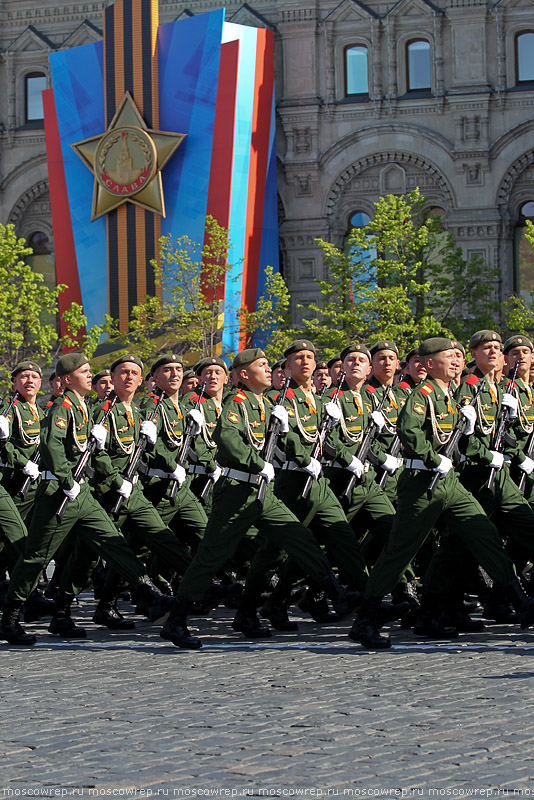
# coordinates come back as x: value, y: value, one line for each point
x: 127, y: 161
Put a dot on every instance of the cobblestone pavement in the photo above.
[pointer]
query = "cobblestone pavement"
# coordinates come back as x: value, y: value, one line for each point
x: 307, y: 714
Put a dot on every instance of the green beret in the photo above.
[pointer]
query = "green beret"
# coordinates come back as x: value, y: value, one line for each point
x: 355, y: 348
x: 436, y: 344
x: 384, y: 344
x: 162, y: 361
x: 70, y: 363
x: 22, y: 365
x: 247, y: 357
x: 518, y: 340
x: 334, y: 360
x: 413, y: 352
x: 102, y: 374
x: 458, y: 346
x: 127, y: 359
x: 298, y: 345
x: 189, y: 373
x: 280, y: 364
x: 320, y: 365
x: 209, y: 361
x: 483, y: 336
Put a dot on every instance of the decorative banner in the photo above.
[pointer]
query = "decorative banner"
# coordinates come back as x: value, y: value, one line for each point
x: 175, y: 118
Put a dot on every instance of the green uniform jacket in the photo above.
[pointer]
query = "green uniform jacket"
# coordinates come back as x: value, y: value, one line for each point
x: 64, y: 433
x: 305, y: 419
x: 374, y: 391
x: 25, y: 425
x: 204, y: 448
x: 426, y: 422
x: 240, y: 432
x: 170, y: 422
x: 111, y: 463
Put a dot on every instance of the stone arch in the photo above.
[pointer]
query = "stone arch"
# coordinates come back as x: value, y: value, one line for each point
x: 510, y: 180
x: 23, y: 204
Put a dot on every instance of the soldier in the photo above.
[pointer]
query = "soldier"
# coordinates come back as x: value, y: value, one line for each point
x: 335, y: 367
x: 520, y: 348
x: 414, y: 371
x: 240, y: 436
x: 459, y: 349
x: 189, y: 384
x: 102, y: 384
x: 56, y: 387
x: 425, y: 425
x: 64, y: 435
x: 321, y: 378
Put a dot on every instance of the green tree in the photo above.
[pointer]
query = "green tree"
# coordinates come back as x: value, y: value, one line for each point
x: 518, y: 311
x: 269, y: 326
x: 399, y: 277
x: 24, y: 301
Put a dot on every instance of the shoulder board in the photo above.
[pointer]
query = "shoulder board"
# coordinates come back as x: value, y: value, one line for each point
x: 370, y: 389
x: 426, y: 389
x: 340, y: 393
x: 473, y: 380
x: 194, y: 399
x: 16, y: 402
x: 105, y: 407
x: 50, y: 403
x: 67, y: 403
x: 404, y: 385
x: 510, y: 385
x: 290, y: 394
x: 239, y: 397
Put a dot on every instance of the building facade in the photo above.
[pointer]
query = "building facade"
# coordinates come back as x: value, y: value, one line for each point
x: 372, y: 98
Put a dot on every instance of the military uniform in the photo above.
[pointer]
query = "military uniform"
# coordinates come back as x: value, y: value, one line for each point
x: 373, y: 392
x: 21, y: 447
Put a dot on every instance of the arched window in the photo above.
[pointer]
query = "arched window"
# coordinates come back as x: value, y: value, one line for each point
x: 35, y: 82
x: 39, y: 243
x: 418, y: 65
x: 524, y: 57
x: 524, y: 255
x: 356, y: 70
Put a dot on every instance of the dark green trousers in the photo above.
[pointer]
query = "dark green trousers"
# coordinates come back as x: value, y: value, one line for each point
x: 416, y: 516
x: 12, y: 530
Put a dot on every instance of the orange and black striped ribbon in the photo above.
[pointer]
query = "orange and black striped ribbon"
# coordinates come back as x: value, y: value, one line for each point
x: 131, y: 65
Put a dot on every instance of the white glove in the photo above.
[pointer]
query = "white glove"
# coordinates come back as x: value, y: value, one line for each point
x: 527, y: 465
x: 149, y: 430
x: 444, y: 467
x: 125, y: 489
x: 470, y: 415
x: 333, y: 411
x: 392, y: 463
x: 497, y: 461
x: 197, y: 417
x: 73, y: 493
x: 510, y: 402
x: 267, y: 472
x: 179, y: 475
x: 356, y: 466
x: 214, y: 476
x: 99, y: 434
x: 379, y: 419
x: 4, y: 427
x: 314, y: 468
x: 280, y: 413
x: 31, y: 469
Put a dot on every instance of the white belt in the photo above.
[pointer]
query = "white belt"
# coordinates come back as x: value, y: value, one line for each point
x: 337, y: 465
x: 158, y: 473
x: 6, y: 466
x: 294, y: 467
x: 49, y: 476
x: 197, y: 469
x: 238, y: 475
x: 416, y: 463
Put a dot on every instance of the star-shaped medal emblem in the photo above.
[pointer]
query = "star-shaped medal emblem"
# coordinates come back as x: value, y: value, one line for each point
x: 127, y: 161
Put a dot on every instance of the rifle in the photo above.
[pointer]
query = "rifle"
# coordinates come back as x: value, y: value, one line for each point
x: 137, y: 455
x: 9, y: 408
x: 452, y: 444
x: 272, y: 440
x: 528, y: 452
x: 368, y: 439
x: 83, y: 463
x: 186, y: 444
x: 394, y: 450
x: 326, y: 426
x: 23, y: 491
x: 500, y: 434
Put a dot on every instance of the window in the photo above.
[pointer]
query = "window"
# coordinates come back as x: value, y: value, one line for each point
x: 524, y: 257
x: 35, y: 83
x: 356, y: 70
x: 418, y: 65
x: 524, y: 57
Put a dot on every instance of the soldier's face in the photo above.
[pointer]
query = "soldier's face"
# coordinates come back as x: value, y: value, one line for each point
x: 415, y: 369
x: 321, y: 378
x: 56, y: 387
x: 335, y: 370
x: 27, y: 383
x: 256, y: 376
x: 80, y: 380
x: 356, y: 366
x: 459, y: 362
x: 301, y: 365
x: 385, y: 364
x: 441, y: 366
x: 189, y: 384
x: 215, y: 378
x: 169, y: 377
x: 127, y: 378
x: 277, y: 378
x: 103, y: 386
x: 522, y: 354
x: 487, y: 355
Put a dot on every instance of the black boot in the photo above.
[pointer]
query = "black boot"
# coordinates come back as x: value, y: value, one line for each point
x: 10, y: 628
x: 175, y: 628
x: 246, y: 619
x: 37, y: 606
x: 457, y: 616
x: 154, y: 604
x: 523, y: 604
x: 497, y: 606
x: 315, y: 603
x: 276, y: 612
x: 342, y: 600
x: 365, y: 628
x: 430, y: 620
x: 61, y: 623
x: 107, y: 613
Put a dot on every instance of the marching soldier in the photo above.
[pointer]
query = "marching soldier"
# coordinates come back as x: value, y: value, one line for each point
x: 520, y: 348
x: 102, y: 384
x: 189, y: 384
x: 321, y: 377
x: 335, y: 367
x: 64, y: 437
